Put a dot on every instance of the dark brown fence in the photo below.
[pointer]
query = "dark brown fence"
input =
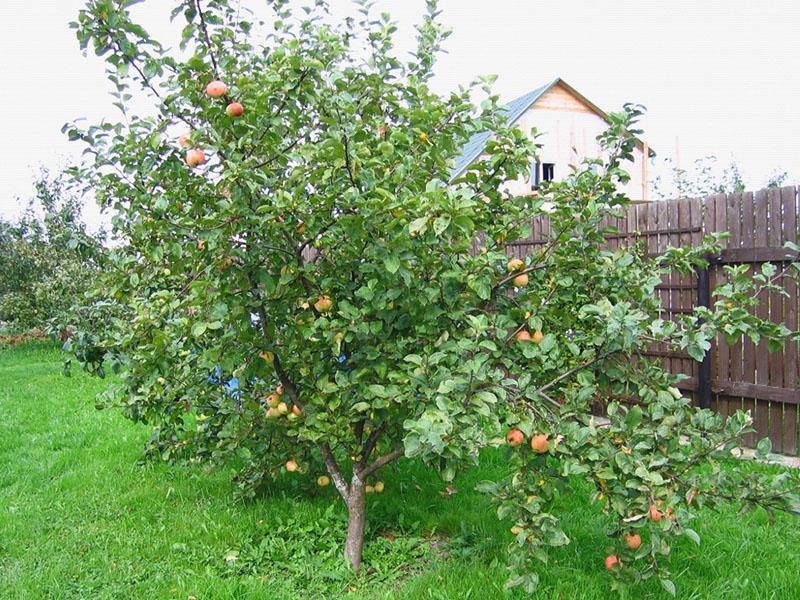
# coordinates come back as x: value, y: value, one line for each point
x: 746, y: 375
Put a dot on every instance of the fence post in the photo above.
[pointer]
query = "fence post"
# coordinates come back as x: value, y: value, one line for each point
x: 704, y: 371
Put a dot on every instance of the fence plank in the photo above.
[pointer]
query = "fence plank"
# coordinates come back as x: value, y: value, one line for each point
x: 789, y: 202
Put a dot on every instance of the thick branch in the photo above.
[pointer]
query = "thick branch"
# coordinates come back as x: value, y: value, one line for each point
x: 333, y: 469
x: 369, y: 446
x: 381, y: 462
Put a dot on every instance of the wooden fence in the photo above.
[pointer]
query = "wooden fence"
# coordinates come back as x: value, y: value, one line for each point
x: 746, y: 375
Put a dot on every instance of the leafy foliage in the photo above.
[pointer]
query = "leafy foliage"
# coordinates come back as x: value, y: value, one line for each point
x: 48, y: 259
x: 364, y: 303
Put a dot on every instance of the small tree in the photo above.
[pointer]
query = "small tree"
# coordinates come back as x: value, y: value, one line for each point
x: 48, y: 258
x: 705, y: 177
x: 303, y: 237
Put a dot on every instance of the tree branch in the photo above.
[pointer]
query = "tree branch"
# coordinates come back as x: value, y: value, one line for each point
x: 369, y: 446
x: 574, y: 370
x: 207, y: 37
x: 381, y: 462
x: 333, y: 469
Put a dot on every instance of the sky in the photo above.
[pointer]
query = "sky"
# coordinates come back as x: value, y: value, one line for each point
x: 718, y: 77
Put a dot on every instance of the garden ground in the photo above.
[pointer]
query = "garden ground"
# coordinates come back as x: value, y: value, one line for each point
x: 80, y: 518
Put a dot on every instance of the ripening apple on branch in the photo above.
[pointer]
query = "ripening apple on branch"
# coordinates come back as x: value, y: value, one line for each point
x: 363, y: 297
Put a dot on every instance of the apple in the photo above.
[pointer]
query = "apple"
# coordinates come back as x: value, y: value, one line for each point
x: 216, y: 89
x: 516, y: 530
x: 291, y: 465
x: 296, y: 410
x: 282, y: 408
x: 537, y: 337
x: 612, y: 561
x: 369, y: 489
x: 234, y: 109
x: 540, y: 443
x: 323, y: 304
x: 272, y: 413
x: 523, y: 336
x: 195, y: 157
x: 515, y: 437
x: 633, y: 540
x: 183, y: 140
x: 654, y: 513
x: 515, y: 264
x: 279, y: 389
x: 323, y: 481
x: 273, y: 400
x: 521, y: 280
x: 378, y: 487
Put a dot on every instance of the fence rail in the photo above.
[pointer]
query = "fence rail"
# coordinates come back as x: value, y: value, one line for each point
x: 745, y: 375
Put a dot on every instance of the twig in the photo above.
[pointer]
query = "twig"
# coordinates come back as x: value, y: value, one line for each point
x: 207, y: 37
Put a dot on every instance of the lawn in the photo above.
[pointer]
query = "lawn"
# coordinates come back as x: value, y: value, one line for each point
x: 81, y: 518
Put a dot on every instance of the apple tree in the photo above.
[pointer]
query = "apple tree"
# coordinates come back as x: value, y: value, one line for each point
x: 286, y: 218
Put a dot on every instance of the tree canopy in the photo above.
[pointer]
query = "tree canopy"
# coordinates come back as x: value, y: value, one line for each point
x: 288, y: 220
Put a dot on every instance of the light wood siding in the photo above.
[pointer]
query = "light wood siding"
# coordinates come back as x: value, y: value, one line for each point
x: 568, y: 130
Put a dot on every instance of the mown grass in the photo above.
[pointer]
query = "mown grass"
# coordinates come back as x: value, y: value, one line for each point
x: 79, y: 518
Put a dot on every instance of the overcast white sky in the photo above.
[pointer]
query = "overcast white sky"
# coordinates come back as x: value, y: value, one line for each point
x: 722, y: 76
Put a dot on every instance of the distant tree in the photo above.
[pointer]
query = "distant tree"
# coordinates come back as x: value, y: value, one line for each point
x: 704, y: 178
x: 48, y: 258
x: 777, y: 178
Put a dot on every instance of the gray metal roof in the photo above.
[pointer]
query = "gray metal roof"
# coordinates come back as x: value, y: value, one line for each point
x: 513, y: 111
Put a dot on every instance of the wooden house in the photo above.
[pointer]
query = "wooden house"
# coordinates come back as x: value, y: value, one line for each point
x: 569, y: 124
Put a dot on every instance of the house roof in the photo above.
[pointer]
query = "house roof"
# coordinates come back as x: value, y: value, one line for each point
x: 513, y: 111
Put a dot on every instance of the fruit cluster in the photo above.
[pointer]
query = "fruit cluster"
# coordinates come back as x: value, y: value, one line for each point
x: 215, y: 89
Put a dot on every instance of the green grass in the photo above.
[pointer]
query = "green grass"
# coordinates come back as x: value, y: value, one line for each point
x: 79, y: 518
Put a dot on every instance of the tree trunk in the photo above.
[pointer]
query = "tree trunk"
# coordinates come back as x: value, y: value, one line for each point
x: 356, y: 520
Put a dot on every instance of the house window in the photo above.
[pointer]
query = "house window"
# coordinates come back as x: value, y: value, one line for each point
x: 548, y: 171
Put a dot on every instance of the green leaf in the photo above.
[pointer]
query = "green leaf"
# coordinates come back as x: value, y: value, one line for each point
x: 440, y: 224
x: 199, y: 329
x: 669, y: 586
x: 692, y: 535
x: 392, y: 263
x: 418, y: 226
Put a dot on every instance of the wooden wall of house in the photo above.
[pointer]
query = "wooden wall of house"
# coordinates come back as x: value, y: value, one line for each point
x: 569, y: 128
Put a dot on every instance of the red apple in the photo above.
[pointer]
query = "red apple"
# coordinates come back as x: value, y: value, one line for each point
x: 540, y: 443
x: 234, y: 109
x: 515, y: 437
x: 195, y: 157
x: 216, y: 89
x: 633, y: 540
x: 612, y: 561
